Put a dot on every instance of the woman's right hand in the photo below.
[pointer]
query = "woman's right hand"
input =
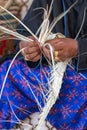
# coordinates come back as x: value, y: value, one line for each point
x: 32, y: 50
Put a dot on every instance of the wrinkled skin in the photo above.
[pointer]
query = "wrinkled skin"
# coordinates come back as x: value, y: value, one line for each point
x: 66, y: 47
x: 32, y: 51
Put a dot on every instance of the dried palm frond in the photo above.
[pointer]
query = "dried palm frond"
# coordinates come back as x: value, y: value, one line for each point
x: 57, y: 69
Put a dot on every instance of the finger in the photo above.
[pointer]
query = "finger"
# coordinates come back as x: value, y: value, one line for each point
x: 31, y: 50
x: 36, y: 58
x: 32, y: 56
x: 46, y: 52
x: 32, y: 44
x: 56, y: 45
x: 62, y: 56
x: 53, y: 40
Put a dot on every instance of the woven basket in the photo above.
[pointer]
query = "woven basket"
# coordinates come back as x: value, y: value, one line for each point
x: 14, y: 7
x: 6, y: 20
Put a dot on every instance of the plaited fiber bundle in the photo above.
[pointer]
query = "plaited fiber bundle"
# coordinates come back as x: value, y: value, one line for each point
x: 57, y: 69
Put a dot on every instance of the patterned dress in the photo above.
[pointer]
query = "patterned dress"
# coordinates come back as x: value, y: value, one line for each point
x: 18, y: 100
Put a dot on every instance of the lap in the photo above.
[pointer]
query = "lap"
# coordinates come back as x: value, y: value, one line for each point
x: 23, y: 83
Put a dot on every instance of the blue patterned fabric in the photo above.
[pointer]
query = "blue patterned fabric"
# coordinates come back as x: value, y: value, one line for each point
x: 17, y: 101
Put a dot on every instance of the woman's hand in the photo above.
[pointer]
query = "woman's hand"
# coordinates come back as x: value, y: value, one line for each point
x: 32, y: 50
x: 66, y: 48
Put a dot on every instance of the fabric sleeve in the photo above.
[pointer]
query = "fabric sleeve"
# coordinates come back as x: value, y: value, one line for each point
x: 82, y: 48
x: 81, y: 61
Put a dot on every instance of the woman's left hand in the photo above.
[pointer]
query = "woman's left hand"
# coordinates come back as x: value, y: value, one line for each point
x: 66, y: 48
